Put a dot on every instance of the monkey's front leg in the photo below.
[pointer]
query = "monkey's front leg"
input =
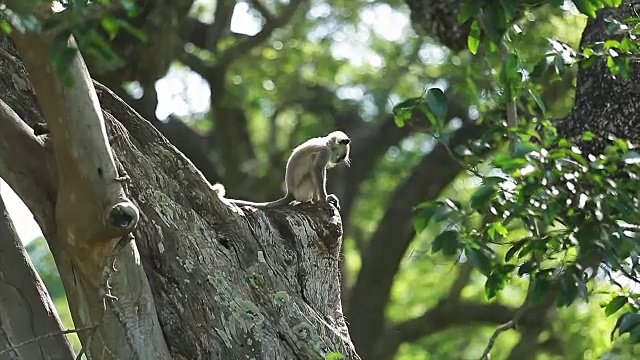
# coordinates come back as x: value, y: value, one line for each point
x: 319, y: 176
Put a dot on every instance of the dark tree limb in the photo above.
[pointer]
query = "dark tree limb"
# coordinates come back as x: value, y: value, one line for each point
x: 605, y: 104
x: 245, y: 45
x: 26, y: 310
x: 445, y: 316
x: 219, y: 29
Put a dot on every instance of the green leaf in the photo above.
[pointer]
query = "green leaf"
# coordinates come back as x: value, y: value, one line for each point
x: 480, y: 260
x: 586, y: 7
x: 421, y: 220
x: 508, y: 163
x: 407, y: 104
x: 559, y: 65
x: 539, y: 68
x: 447, y: 242
x: 5, y: 27
x: 614, y: 305
x: 495, y: 22
x: 495, y: 282
x: 481, y: 197
x: 110, y: 26
x: 473, y: 41
x: 524, y: 147
x: 468, y: 10
x: 403, y: 110
x: 588, y: 136
x: 437, y: 103
x: 510, y: 77
x: 536, y: 97
x: 627, y: 322
x: 497, y: 228
x: 513, y: 250
x: 334, y: 355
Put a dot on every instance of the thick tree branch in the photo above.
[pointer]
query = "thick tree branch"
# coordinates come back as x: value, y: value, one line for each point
x: 271, y: 279
x: 26, y: 309
x: 605, y: 103
x: 92, y: 211
x: 382, y: 257
x: 85, y: 165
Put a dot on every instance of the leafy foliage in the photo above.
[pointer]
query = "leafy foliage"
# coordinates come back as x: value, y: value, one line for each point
x: 92, y: 23
x: 549, y: 214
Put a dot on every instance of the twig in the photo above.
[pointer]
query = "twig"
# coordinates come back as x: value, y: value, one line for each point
x: 51, y: 334
x: 511, y: 324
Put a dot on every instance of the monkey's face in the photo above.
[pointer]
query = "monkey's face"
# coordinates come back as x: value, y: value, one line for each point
x: 340, y: 147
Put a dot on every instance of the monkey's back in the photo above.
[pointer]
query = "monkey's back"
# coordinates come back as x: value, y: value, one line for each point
x: 299, y: 167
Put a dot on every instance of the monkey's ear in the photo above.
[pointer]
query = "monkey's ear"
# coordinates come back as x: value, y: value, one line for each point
x: 344, y: 141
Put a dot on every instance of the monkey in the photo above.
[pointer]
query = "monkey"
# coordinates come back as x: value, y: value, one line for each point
x: 306, y: 171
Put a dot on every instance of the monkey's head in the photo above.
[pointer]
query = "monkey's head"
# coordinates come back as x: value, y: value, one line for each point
x: 339, y: 145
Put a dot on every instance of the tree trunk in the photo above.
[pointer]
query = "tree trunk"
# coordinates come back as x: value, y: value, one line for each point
x: 223, y: 282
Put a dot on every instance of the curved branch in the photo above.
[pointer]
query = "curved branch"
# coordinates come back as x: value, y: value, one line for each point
x: 382, y: 257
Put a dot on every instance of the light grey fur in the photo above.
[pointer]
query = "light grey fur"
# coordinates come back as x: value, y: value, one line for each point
x: 306, y: 171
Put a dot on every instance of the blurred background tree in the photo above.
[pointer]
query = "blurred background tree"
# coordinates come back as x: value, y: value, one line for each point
x: 235, y: 85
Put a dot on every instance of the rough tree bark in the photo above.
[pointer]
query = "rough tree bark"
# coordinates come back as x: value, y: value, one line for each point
x: 223, y: 283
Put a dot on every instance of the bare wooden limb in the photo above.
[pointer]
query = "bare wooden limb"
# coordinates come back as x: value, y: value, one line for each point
x: 30, y: 326
x: 86, y: 169
x: 92, y: 211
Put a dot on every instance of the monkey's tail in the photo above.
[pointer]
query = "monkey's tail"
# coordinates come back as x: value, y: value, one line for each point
x: 270, y: 204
